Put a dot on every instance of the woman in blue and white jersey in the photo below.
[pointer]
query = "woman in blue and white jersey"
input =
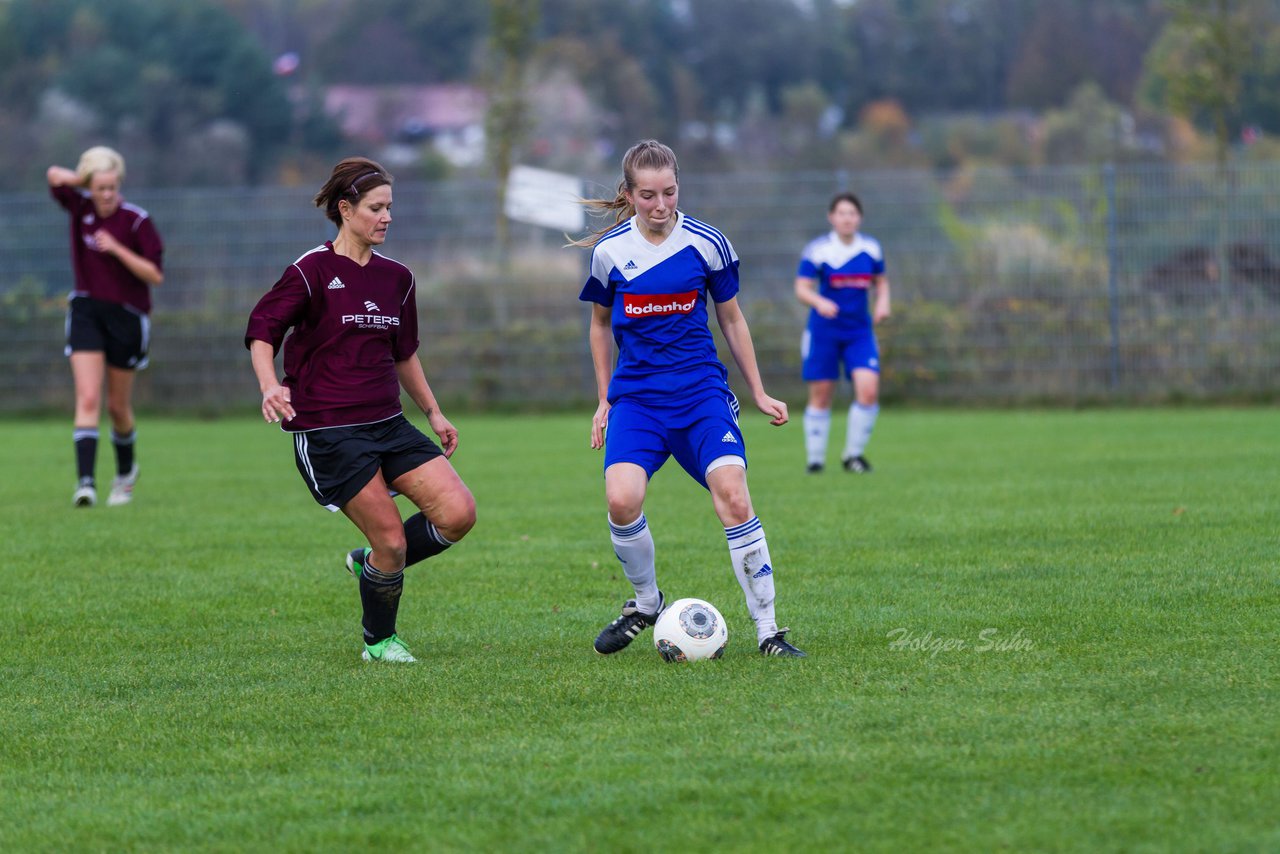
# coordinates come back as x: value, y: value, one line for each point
x: 653, y: 274
x: 835, y: 278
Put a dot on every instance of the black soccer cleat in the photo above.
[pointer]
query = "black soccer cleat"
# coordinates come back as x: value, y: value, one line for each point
x: 778, y: 645
x: 622, y: 631
x: 814, y: 468
x: 858, y: 464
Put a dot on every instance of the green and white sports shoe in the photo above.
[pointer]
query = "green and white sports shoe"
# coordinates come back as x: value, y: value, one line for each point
x: 356, y: 559
x: 389, y: 649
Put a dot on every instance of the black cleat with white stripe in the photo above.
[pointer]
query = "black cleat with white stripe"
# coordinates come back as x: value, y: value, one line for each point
x: 622, y: 631
x: 857, y: 465
x: 779, y: 645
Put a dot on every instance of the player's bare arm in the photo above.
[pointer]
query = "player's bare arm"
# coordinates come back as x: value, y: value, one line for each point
x: 61, y: 176
x: 144, y: 269
x: 738, y: 336
x: 414, y: 381
x: 807, y: 294
x: 881, y: 311
x: 275, y: 397
x: 601, y: 340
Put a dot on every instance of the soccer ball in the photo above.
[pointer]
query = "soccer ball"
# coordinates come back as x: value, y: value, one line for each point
x: 690, y: 630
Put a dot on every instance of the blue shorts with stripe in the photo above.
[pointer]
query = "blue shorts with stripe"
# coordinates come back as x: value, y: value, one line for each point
x: 822, y: 353
x: 698, y: 432
x: 338, y: 462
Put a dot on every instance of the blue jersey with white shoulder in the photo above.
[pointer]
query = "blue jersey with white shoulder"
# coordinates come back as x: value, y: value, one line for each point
x: 658, y: 295
x: 845, y: 272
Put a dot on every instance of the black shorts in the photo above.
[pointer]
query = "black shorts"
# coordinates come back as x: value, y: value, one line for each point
x: 116, y: 330
x: 338, y: 462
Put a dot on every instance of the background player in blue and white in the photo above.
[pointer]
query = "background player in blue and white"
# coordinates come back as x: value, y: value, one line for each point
x: 652, y: 274
x: 836, y: 275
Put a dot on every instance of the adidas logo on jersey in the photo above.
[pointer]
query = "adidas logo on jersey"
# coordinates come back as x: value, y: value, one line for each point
x: 728, y: 437
x: 372, y: 306
x: 630, y: 265
x: 336, y: 284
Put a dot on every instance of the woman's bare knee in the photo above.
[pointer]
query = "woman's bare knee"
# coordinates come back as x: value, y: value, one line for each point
x: 457, y: 516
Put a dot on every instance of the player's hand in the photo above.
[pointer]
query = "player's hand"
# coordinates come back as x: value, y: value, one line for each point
x: 827, y: 308
x: 447, y: 433
x: 276, y: 405
x: 599, y: 423
x: 774, y: 408
x: 104, y: 241
x: 882, y: 313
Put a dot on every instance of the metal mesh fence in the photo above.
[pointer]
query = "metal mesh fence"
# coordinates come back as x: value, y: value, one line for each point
x: 1050, y: 285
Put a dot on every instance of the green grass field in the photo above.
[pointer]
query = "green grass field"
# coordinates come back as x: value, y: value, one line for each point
x: 1027, y: 630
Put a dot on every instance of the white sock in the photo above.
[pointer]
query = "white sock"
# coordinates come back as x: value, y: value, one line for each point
x: 750, y: 555
x: 817, y: 428
x: 633, y: 544
x: 862, y: 420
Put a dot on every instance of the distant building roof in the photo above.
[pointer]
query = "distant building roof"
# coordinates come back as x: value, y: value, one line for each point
x: 386, y: 113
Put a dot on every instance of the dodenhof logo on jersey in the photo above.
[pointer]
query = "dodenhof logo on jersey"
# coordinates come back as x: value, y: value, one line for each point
x: 851, y: 280
x: 642, y: 305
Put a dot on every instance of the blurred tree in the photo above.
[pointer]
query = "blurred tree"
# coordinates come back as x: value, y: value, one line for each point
x: 935, y: 54
x: 401, y: 41
x: 1196, y: 67
x: 1260, y: 98
x: 627, y: 56
x: 154, y: 72
x: 1090, y: 129
x: 512, y: 38
x: 1068, y: 44
x: 882, y: 138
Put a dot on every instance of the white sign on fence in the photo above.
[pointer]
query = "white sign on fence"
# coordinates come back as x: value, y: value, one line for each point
x: 545, y: 198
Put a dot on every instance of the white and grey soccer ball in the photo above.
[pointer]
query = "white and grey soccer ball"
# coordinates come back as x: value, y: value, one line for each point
x: 690, y: 630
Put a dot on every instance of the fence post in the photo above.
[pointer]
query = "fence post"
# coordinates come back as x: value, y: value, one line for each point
x: 1113, y: 288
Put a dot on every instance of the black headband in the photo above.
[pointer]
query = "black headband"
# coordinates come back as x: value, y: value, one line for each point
x: 353, y: 189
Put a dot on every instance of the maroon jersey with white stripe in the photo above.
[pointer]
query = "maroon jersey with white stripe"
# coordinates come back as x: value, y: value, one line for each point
x: 351, y: 324
x: 99, y: 274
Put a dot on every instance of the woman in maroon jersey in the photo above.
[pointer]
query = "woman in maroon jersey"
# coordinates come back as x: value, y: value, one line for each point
x: 116, y: 255
x: 354, y: 346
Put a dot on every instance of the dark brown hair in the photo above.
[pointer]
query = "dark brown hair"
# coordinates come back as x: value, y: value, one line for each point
x: 350, y: 180
x: 845, y: 197
x: 646, y: 154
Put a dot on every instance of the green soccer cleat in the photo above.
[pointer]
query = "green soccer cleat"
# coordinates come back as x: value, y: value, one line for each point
x: 388, y: 649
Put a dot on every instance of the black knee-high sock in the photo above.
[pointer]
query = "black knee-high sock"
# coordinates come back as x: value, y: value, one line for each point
x: 86, y: 439
x: 380, y: 596
x: 124, y: 450
x: 422, y: 540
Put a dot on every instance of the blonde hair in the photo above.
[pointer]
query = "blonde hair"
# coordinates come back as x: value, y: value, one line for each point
x: 646, y: 154
x: 100, y: 158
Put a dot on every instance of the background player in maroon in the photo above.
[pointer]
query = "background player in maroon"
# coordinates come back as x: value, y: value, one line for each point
x: 116, y: 256
x: 353, y: 347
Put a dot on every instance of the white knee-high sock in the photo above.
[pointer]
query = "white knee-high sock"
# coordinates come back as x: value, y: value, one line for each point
x: 817, y: 429
x: 750, y: 556
x: 862, y: 420
x: 633, y: 544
